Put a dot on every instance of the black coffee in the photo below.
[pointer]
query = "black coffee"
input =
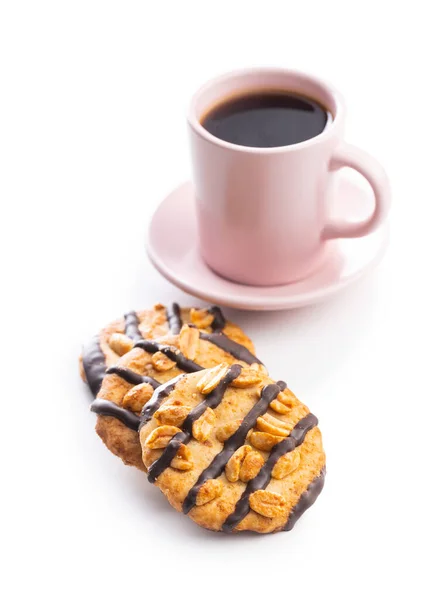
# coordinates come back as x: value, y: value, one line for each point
x: 266, y: 119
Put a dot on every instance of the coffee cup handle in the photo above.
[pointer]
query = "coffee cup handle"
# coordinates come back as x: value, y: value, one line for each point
x: 355, y: 158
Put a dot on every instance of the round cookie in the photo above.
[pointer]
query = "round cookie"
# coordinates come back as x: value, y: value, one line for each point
x: 233, y: 449
x: 119, y: 337
x: 130, y: 383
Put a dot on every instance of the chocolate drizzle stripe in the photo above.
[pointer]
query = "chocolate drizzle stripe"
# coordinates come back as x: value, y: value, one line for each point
x: 110, y: 409
x: 183, y: 363
x: 236, y: 350
x: 167, y: 456
x: 93, y: 360
x: 183, y: 437
x: 173, y: 315
x: 132, y: 377
x: 237, y: 439
x: 131, y: 326
x: 213, y: 399
x: 306, y: 500
x: 219, y: 322
x: 150, y: 408
x: 263, y: 477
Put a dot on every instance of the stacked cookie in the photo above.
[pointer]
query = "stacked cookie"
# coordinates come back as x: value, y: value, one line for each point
x: 180, y: 394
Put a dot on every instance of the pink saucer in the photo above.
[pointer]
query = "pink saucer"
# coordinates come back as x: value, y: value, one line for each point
x: 172, y: 247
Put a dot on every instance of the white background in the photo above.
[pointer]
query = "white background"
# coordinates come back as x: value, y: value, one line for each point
x: 92, y: 136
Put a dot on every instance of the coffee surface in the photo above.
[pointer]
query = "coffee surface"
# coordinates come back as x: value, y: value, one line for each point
x: 266, y: 119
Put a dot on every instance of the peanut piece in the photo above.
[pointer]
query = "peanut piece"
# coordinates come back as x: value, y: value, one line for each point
x: 202, y: 427
x: 212, y: 378
x: 120, y: 343
x: 283, y: 403
x: 270, y: 424
x: 244, y: 464
x: 183, y: 459
x: 268, y: 504
x: 233, y: 466
x: 286, y: 464
x: 161, y: 362
x: 247, y: 378
x: 251, y: 466
x: 210, y: 490
x: 264, y: 441
x: 137, y: 396
x: 161, y: 436
x: 188, y: 341
x: 201, y: 318
x: 171, y: 415
x: 224, y: 432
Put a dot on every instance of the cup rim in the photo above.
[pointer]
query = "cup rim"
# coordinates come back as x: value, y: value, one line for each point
x: 332, y: 125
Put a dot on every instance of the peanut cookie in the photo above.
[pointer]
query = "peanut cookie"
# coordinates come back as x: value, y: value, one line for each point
x: 233, y: 449
x: 119, y: 337
x: 130, y: 383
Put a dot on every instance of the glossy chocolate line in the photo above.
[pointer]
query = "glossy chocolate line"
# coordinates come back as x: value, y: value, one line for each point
x: 236, y: 350
x: 132, y: 377
x: 161, y: 392
x: 171, y: 352
x: 167, y: 456
x: 263, y: 477
x: 110, y: 409
x: 173, y: 315
x: 237, y: 439
x: 183, y: 437
x: 93, y: 360
x: 308, y: 498
x: 219, y: 321
x: 131, y: 326
x: 213, y: 399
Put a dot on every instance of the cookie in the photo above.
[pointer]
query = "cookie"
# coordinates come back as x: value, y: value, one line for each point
x: 119, y: 337
x: 233, y: 449
x: 131, y: 381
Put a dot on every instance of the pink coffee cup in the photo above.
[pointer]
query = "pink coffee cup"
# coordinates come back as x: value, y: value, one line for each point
x: 263, y: 212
